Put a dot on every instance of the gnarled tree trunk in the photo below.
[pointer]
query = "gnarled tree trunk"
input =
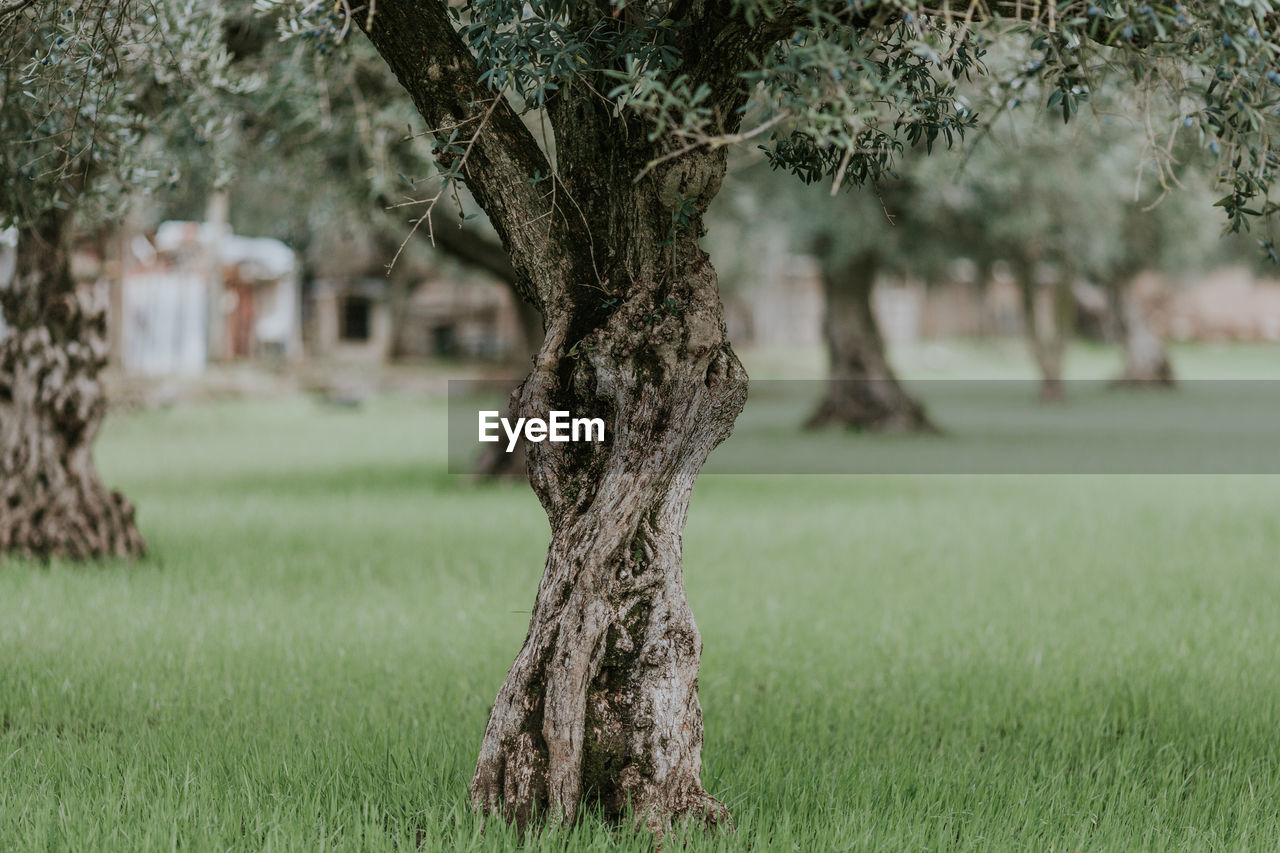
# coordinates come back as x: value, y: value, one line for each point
x: 52, y: 502
x: 1146, y: 361
x: 1046, y: 322
x: 862, y: 391
x: 601, y: 704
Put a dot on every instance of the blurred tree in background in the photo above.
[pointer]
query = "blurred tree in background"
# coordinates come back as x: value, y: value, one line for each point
x: 91, y: 92
x: 877, y: 233
x: 857, y: 236
x: 1165, y: 230
x: 1063, y: 209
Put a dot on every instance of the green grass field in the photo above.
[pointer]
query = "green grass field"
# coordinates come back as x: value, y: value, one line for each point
x: 1049, y: 663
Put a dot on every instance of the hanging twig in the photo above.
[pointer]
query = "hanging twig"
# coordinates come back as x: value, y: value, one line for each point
x: 431, y: 202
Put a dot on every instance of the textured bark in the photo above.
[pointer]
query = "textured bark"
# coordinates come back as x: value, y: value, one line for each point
x: 1046, y: 321
x: 601, y: 706
x: 1146, y: 361
x: 52, y: 502
x: 863, y: 392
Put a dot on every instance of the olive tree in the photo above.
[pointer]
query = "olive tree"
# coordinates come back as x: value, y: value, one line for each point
x: 87, y: 89
x: 594, y: 135
x: 1062, y: 207
x: 1165, y: 232
x: 1050, y: 206
x: 856, y: 237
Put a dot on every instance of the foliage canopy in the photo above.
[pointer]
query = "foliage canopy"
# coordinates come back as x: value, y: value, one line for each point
x: 839, y: 90
x: 96, y: 95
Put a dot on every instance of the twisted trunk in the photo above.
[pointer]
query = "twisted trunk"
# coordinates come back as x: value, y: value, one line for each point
x: 52, y: 502
x: 862, y: 391
x: 601, y: 704
x: 1046, y: 321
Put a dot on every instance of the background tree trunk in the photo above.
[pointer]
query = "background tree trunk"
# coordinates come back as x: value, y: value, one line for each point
x: 1146, y: 361
x: 401, y: 283
x: 1046, y: 321
x: 52, y: 503
x: 476, y: 251
x: 530, y: 325
x: 862, y: 392
x: 981, y: 287
x: 494, y: 462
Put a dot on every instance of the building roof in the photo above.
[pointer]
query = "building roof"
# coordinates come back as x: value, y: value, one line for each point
x: 259, y: 258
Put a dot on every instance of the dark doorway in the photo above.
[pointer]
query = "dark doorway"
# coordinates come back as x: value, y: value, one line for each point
x: 355, y: 318
x: 444, y: 340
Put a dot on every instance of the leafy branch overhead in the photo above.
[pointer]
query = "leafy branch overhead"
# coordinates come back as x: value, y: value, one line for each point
x: 838, y: 90
x: 89, y: 90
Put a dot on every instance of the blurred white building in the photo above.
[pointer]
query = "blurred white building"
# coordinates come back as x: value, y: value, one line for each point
x: 200, y: 293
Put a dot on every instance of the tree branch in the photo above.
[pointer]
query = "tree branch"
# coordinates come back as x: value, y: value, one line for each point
x: 419, y: 43
x: 12, y: 7
x: 471, y: 248
x: 726, y: 45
